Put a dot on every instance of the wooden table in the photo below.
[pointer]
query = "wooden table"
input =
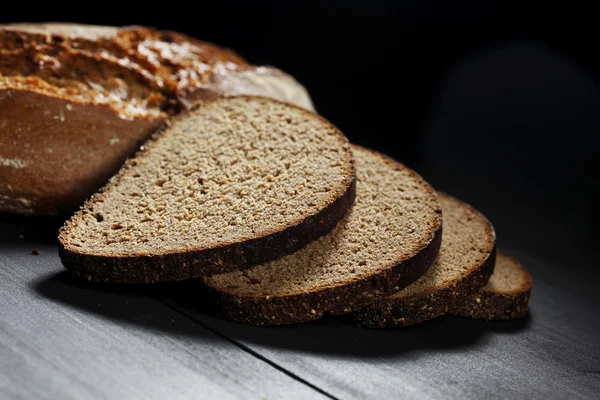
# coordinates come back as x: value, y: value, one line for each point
x: 63, y: 339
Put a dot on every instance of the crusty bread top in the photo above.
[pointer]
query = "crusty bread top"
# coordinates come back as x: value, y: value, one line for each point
x: 86, y: 78
x: 99, y: 63
x: 509, y: 277
x: 229, y: 171
x: 395, y: 215
x: 135, y: 70
x: 468, y: 240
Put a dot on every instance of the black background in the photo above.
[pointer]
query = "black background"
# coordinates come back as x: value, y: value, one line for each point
x: 495, y: 103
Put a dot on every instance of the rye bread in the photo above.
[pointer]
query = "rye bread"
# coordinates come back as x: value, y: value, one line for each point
x: 77, y: 100
x: 387, y: 240
x: 234, y: 182
x: 463, y: 266
x: 506, y: 295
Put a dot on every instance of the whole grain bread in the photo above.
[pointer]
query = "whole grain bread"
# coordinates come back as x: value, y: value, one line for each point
x: 506, y: 295
x: 387, y: 240
x: 77, y: 100
x: 232, y: 183
x: 463, y: 266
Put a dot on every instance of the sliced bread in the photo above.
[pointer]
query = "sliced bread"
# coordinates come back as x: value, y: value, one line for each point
x: 233, y: 183
x: 387, y: 240
x: 463, y: 266
x: 506, y: 295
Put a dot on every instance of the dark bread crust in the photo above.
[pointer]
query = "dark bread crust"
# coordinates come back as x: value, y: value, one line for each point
x: 193, y: 263
x: 425, y: 306
x: 391, y: 314
x: 115, y: 42
x: 334, y: 300
x: 46, y: 184
x: 497, y: 305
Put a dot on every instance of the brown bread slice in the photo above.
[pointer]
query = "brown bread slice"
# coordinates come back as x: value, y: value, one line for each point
x: 506, y: 295
x: 387, y: 240
x: 463, y: 266
x: 77, y: 100
x: 235, y: 182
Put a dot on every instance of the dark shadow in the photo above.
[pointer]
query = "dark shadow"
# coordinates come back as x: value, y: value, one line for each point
x: 340, y: 338
x: 129, y: 304
x: 343, y: 339
x: 511, y: 326
x: 15, y: 228
x: 160, y: 307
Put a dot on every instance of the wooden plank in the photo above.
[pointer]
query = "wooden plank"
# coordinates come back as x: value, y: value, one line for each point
x: 555, y: 353
x: 60, y: 340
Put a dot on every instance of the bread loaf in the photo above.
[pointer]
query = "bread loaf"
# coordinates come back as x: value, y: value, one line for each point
x: 77, y: 100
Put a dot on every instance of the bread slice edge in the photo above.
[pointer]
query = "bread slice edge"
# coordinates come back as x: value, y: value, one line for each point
x: 499, y: 304
x: 391, y: 313
x: 332, y: 300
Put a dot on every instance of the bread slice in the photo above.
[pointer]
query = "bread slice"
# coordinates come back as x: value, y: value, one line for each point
x: 463, y: 266
x: 235, y: 182
x: 506, y: 295
x: 387, y: 240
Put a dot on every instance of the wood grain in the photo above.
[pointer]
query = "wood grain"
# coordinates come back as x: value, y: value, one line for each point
x: 554, y: 353
x: 60, y: 339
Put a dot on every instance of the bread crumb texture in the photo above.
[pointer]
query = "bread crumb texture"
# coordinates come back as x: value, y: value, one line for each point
x: 394, y: 216
x: 467, y: 242
x: 506, y: 295
x: 508, y: 277
x: 463, y: 266
x: 229, y: 171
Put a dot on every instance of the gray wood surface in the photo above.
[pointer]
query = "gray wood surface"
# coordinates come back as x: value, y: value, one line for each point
x: 554, y: 353
x: 63, y: 340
